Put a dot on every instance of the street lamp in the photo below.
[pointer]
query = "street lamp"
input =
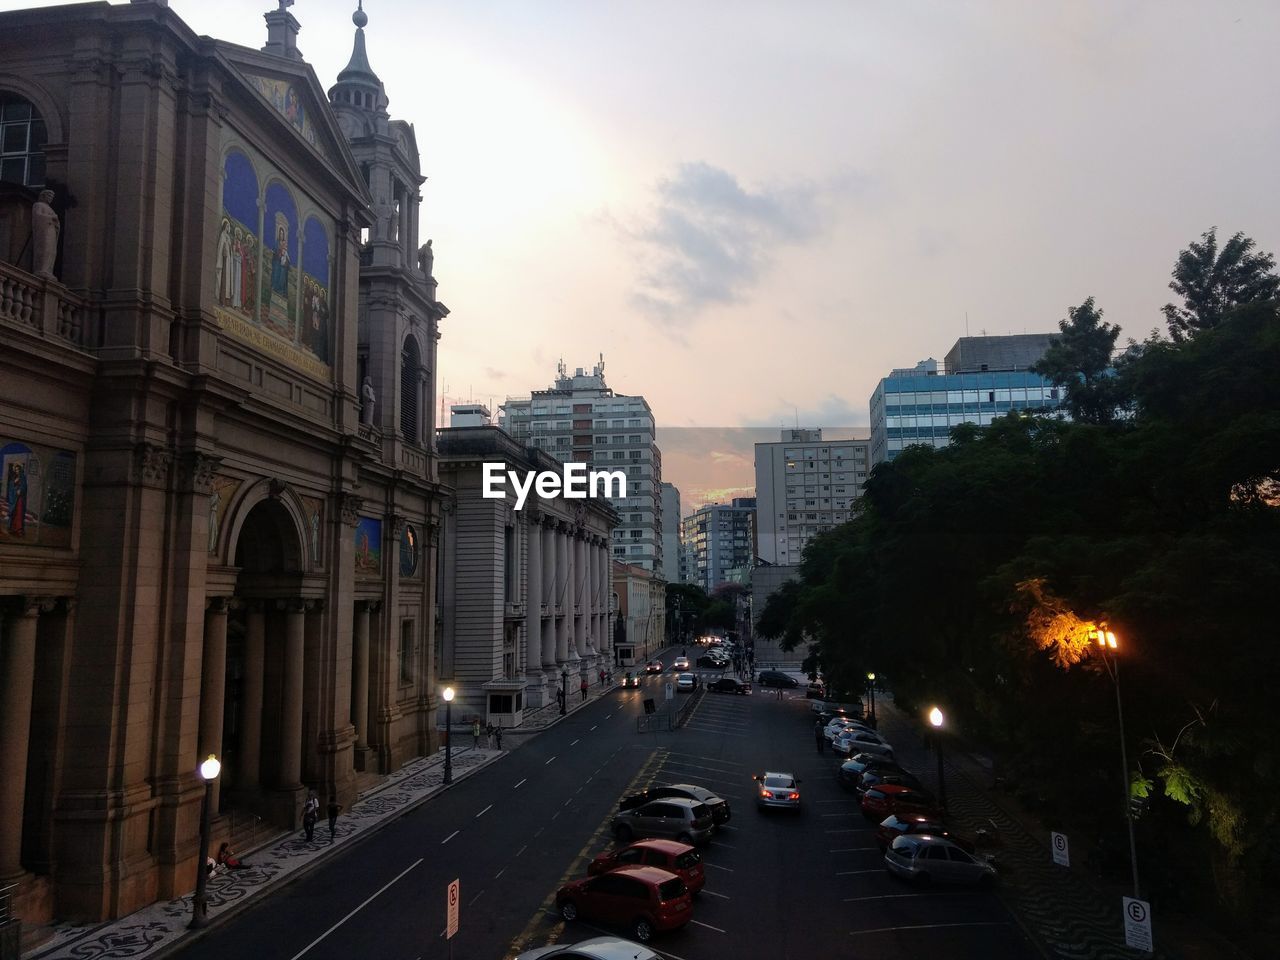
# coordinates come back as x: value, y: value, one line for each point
x: 448, y: 734
x: 564, y: 689
x: 936, y: 718
x: 1106, y: 641
x: 871, y: 687
x: 209, y: 770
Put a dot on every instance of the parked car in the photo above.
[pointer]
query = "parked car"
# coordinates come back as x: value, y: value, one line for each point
x: 852, y: 770
x: 676, y: 817
x: 838, y: 725
x: 777, y: 791
x: 897, y: 824
x: 670, y: 855
x: 923, y: 858
x: 775, y: 678
x: 720, y: 812
x: 879, y: 802
x: 897, y: 778
x: 646, y: 900
x: 852, y: 742
x: 597, y: 948
x: 681, y: 663
x: 653, y: 666
x: 685, y: 683
x: 630, y: 681
x: 816, y: 690
x: 729, y: 685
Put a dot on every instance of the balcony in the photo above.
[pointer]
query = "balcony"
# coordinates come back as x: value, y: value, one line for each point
x: 43, y: 308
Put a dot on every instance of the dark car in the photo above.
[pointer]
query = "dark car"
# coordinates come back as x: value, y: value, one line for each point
x: 851, y: 771
x: 630, y: 681
x: 816, y: 690
x: 645, y: 900
x: 713, y: 663
x: 678, y: 858
x: 879, y: 802
x: 897, y: 824
x: 900, y: 778
x: 729, y: 685
x: 774, y: 678
x: 720, y: 812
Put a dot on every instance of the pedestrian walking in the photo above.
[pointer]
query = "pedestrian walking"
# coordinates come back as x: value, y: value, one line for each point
x: 583, y: 688
x: 475, y: 733
x: 497, y: 735
x: 488, y: 736
x: 602, y: 678
x: 819, y: 735
x: 334, y: 809
x: 560, y: 699
x: 310, y: 814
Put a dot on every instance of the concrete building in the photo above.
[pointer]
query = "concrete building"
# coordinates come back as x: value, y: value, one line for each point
x: 722, y: 539
x: 640, y: 620
x: 805, y: 485
x: 981, y: 378
x: 221, y: 493
x: 580, y: 419
x: 671, y: 533
x: 524, y: 594
x: 469, y: 415
x: 766, y: 578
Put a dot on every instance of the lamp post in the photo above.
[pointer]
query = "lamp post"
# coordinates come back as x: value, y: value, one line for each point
x: 936, y: 718
x: 448, y: 734
x: 564, y: 689
x: 1106, y: 641
x: 871, y: 689
x: 209, y: 770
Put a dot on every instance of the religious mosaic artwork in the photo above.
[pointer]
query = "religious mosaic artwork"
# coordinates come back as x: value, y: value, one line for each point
x: 408, y: 550
x: 273, y: 265
x: 369, y: 547
x: 286, y: 98
x: 220, y: 493
x: 38, y: 487
x: 314, y: 510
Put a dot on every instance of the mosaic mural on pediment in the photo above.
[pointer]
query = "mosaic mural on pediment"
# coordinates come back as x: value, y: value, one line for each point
x: 37, y: 494
x: 288, y: 99
x: 221, y: 490
x: 274, y: 264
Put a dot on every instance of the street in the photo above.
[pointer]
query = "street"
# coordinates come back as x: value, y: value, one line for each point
x: 777, y: 885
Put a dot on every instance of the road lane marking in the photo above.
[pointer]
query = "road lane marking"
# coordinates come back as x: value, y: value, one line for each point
x: 727, y: 763
x: 610, y: 715
x: 449, y: 837
x: 933, y: 926
x: 484, y: 811
x: 697, y: 726
x: 592, y: 728
x: 851, y: 813
x: 557, y: 813
x: 523, y: 849
x: 718, y: 867
x: 576, y: 742
x: 707, y: 925
x: 539, y: 833
x: 717, y: 843
x: 850, y: 830
x: 906, y: 896
x: 852, y: 849
x: 548, y: 760
x: 500, y: 873
x: 712, y: 893
x: 475, y: 898
x: 517, y: 786
x: 569, y: 801
x: 381, y: 890
x: 854, y: 873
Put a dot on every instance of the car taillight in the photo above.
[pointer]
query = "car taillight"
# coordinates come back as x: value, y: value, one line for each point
x: 766, y: 794
x: 793, y: 796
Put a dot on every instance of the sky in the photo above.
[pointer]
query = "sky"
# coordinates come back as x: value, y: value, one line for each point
x: 754, y: 210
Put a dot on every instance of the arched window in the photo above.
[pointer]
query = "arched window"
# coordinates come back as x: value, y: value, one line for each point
x: 410, y: 365
x: 22, y: 139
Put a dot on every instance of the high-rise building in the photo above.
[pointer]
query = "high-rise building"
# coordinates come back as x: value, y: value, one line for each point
x: 579, y: 419
x: 805, y: 485
x: 981, y: 378
x: 670, y: 533
x: 721, y: 537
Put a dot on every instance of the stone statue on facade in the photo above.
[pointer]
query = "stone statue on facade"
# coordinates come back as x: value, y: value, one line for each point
x: 426, y: 258
x: 44, y: 231
x: 368, y: 401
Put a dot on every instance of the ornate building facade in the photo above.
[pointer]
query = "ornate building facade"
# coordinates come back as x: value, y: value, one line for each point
x: 220, y: 493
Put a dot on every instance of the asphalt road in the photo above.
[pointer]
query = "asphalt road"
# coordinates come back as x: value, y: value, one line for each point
x: 777, y: 886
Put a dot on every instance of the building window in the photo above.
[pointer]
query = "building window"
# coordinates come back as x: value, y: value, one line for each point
x: 406, y: 651
x: 22, y: 139
x: 410, y: 364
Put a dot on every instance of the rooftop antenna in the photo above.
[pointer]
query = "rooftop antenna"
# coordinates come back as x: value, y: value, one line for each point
x: 966, y: 323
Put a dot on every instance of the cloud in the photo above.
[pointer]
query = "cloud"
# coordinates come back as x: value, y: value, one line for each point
x: 707, y: 241
x: 833, y: 411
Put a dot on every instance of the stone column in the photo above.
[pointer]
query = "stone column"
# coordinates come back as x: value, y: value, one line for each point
x: 593, y: 594
x: 360, y: 676
x: 533, y: 600
x: 17, y: 680
x: 549, y: 595
x: 213, y: 687
x: 290, y: 774
x: 580, y: 602
x: 255, y: 635
x: 563, y: 596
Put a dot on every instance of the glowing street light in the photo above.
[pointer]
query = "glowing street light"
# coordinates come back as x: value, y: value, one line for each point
x: 209, y: 771
x: 936, y: 719
x: 871, y: 690
x: 447, y: 693
x: 1107, y: 643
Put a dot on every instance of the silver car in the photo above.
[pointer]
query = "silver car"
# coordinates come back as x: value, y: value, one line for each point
x: 923, y: 858
x: 777, y: 791
x: 679, y: 818
x: 597, y: 948
x: 855, y: 741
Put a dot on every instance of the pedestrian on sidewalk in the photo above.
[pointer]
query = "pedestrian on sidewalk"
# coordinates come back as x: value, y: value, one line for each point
x: 475, y: 733
x: 334, y: 809
x: 488, y: 736
x: 310, y: 814
x: 497, y: 734
x: 560, y: 699
x: 583, y: 688
x: 819, y: 735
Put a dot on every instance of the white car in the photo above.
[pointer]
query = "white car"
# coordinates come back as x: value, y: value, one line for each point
x: 597, y: 948
x: 681, y: 663
x: 684, y: 682
x: 856, y: 741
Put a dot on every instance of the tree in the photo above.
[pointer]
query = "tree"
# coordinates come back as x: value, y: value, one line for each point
x: 1079, y: 361
x: 1212, y: 282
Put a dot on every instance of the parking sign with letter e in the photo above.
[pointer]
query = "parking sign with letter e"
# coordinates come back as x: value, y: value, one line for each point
x: 451, y: 910
x: 1061, y: 851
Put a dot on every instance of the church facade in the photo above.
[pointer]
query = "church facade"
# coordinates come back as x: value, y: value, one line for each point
x: 220, y: 498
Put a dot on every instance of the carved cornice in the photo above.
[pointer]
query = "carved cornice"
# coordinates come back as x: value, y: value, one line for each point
x: 151, y: 465
x: 396, y: 522
x: 196, y: 471
x: 276, y: 488
x: 351, y: 505
x: 218, y: 604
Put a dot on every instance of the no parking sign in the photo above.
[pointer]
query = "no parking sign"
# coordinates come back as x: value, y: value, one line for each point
x: 1061, y: 852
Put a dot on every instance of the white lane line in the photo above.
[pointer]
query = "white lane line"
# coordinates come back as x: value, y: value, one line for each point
x: 517, y: 786
x: 707, y: 925
x: 694, y: 756
x: 716, y: 843
x: 576, y: 742
x: 592, y: 728
x: 706, y: 729
x: 610, y: 715
x: 357, y: 909
x: 449, y: 837
x: 522, y: 849
x: 475, y: 898
x: 852, y: 849
x: 694, y: 766
x: 906, y: 896
x: 933, y: 926
x: 539, y: 833
x: 851, y: 813
x: 500, y: 873
x: 557, y: 813
x: 484, y: 811
x: 850, y: 830
x: 712, y: 893
x: 567, y: 802
x: 726, y: 826
x: 718, y: 867
x: 854, y: 873
x: 850, y: 800
x: 698, y: 776
x: 548, y: 760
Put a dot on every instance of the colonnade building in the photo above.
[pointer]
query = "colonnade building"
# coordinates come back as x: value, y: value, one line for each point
x: 221, y: 500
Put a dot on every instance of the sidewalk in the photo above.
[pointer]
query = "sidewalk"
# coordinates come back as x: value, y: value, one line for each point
x: 161, y: 928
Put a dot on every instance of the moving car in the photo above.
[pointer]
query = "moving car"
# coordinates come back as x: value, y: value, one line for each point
x: 630, y: 681
x: 688, y: 821
x: 729, y: 685
x: 923, y: 858
x: 895, y: 825
x: 775, y: 678
x: 777, y: 791
x: 714, y: 663
x: 879, y: 802
x: 646, y: 900
x: 670, y: 855
x: 653, y: 666
x: 719, y: 807
x: 681, y: 663
x: 685, y: 683
x: 597, y: 948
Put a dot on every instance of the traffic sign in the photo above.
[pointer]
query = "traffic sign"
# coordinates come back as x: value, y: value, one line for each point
x: 1137, y: 924
x: 1061, y: 852
x: 671, y: 691
x: 451, y: 911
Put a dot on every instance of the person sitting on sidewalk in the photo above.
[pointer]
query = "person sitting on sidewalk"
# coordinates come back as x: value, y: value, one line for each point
x: 227, y: 858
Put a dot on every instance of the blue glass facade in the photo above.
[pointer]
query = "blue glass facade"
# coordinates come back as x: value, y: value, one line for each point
x: 922, y: 408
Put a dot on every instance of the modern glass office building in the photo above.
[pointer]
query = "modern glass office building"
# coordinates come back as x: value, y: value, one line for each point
x: 922, y: 404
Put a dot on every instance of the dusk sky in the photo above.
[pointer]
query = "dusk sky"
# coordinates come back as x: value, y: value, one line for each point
x: 754, y: 210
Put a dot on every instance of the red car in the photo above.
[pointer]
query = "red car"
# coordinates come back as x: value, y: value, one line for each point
x: 645, y: 900
x: 879, y: 802
x: 895, y: 825
x: 670, y: 855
